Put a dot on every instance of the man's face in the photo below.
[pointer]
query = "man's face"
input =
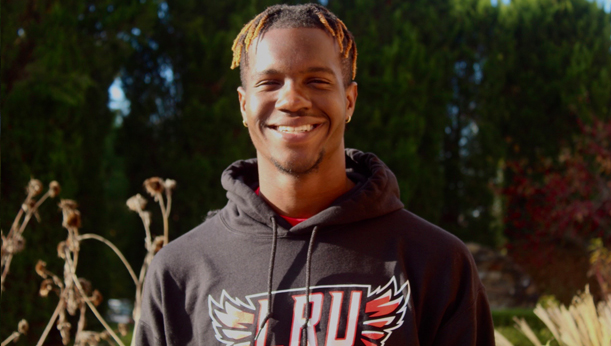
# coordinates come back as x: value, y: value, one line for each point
x: 295, y: 101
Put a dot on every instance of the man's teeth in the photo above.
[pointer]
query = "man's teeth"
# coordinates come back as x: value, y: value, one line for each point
x: 295, y: 129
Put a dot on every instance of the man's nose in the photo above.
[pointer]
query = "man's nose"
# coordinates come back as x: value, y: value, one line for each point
x: 292, y: 98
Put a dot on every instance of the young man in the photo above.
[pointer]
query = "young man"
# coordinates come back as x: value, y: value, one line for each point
x: 314, y: 246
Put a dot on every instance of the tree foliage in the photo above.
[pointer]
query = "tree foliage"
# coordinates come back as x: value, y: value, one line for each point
x: 58, y: 60
x: 566, y: 205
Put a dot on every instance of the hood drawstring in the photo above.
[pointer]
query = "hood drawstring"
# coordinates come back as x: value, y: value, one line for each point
x: 270, y: 276
x: 304, y: 329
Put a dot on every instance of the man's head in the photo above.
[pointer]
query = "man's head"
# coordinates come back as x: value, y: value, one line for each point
x: 297, y: 91
x: 298, y: 16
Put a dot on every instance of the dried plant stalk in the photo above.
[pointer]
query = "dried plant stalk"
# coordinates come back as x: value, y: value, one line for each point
x: 523, y: 327
x: 13, y: 243
x: 583, y: 323
x: 74, y: 291
x: 115, y: 249
x: 157, y: 188
x: 500, y: 340
x: 88, y: 302
x: 22, y: 329
x: 75, y: 294
x: 45, y: 333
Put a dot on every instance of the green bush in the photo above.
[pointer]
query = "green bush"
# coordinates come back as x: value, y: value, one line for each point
x: 504, y: 318
x: 518, y: 339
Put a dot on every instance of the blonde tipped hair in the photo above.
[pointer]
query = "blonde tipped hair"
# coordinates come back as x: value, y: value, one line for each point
x: 298, y: 16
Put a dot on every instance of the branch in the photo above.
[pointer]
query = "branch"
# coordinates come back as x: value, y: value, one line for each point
x: 8, y: 340
x: 115, y: 249
x: 43, y: 337
x: 30, y: 212
x: 166, y: 226
x: 89, y: 303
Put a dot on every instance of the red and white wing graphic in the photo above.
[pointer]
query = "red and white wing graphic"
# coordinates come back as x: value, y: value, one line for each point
x: 232, y: 320
x: 384, y: 310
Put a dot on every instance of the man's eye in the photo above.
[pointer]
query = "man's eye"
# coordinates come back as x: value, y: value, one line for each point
x: 267, y: 83
x: 319, y: 82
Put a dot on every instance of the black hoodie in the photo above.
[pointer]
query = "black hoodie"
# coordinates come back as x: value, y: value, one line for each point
x: 377, y: 274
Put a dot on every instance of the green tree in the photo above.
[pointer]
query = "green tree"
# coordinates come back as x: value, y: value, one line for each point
x: 420, y: 70
x: 400, y: 112
x: 185, y: 122
x: 58, y: 60
x: 549, y: 69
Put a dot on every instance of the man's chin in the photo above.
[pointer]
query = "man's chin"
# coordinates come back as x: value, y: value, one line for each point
x: 297, y: 167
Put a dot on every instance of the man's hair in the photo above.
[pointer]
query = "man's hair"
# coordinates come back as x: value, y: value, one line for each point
x: 297, y: 16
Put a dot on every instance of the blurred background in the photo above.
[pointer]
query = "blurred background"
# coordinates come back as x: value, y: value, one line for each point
x: 495, y: 117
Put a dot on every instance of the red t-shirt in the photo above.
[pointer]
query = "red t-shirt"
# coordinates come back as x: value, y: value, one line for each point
x: 292, y: 220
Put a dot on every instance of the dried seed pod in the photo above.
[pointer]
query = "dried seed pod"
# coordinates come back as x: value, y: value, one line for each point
x: 28, y: 205
x: 41, y: 269
x: 54, y: 189
x: 136, y: 203
x: 19, y: 243
x: 68, y: 204
x: 72, y: 218
x: 61, y: 249
x: 15, y: 245
x: 154, y: 186
x: 64, y: 330
x: 96, y: 298
x: 170, y: 184
x: 34, y: 187
x: 157, y: 243
x: 46, y: 286
x: 23, y: 327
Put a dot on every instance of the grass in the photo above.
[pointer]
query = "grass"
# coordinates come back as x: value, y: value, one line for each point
x: 518, y: 339
x: 504, y: 324
x: 504, y: 317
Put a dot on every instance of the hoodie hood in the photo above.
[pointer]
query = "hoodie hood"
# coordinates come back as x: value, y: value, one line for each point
x: 376, y: 193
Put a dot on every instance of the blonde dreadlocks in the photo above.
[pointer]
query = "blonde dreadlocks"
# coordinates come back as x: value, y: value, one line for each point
x: 298, y: 16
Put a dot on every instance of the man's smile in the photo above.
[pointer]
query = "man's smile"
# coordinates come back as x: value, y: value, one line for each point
x: 295, y: 129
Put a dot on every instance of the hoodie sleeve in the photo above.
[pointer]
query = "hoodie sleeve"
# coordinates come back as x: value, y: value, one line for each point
x: 471, y: 326
x: 150, y: 329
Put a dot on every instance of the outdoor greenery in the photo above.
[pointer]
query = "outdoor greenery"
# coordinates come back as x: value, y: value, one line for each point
x: 488, y: 113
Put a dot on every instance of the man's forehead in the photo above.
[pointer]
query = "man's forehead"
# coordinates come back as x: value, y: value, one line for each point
x: 310, y: 69
x: 309, y: 49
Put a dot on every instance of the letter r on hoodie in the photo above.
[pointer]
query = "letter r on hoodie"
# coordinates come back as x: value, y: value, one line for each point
x: 299, y: 318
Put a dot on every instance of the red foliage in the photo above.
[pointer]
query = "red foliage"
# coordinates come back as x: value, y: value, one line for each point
x: 561, y: 202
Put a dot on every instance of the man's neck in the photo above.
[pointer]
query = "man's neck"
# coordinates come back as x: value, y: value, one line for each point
x: 305, y: 195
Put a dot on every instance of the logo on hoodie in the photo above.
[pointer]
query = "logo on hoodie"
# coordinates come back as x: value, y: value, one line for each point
x: 339, y: 315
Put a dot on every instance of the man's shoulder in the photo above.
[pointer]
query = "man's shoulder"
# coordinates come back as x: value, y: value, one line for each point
x: 414, y: 228
x: 179, y: 251
x: 421, y: 240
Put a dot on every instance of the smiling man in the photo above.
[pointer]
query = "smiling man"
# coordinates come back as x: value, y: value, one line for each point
x: 314, y: 246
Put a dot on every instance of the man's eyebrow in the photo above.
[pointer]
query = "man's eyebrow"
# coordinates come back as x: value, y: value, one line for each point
x: 319, y: 69
x: 267, y: 72
x: 312, y: 69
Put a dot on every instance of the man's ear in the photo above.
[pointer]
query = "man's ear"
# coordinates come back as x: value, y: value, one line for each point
x: 351, y: 94
x: 242, y: 100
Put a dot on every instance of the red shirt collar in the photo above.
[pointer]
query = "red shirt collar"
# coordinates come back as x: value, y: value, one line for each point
x: 292, y: 220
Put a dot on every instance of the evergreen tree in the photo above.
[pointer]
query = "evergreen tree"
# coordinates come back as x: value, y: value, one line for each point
x: 549, y: 70
x: 58, y: 60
